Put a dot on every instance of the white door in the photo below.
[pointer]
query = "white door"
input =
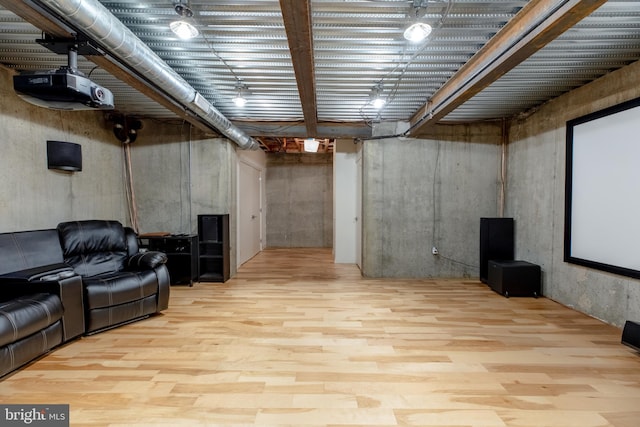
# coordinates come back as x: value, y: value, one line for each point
x: 345, y: 201
x: 359, y: 209
x: 249, y: 212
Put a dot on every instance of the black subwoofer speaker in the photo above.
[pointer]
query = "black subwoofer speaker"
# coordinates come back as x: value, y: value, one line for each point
x: 496, y: 243
x: 631, y: 335
x: 65, y: 156
x: 514, y: 278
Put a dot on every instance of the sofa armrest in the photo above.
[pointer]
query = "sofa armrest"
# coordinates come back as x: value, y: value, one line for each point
x: 38, y: 279
x: 72, y: 296
x: 12, y: 288
x: 146, y: 260
x: 68, y: 289
x: 50, y: 272
x: 164, y: 282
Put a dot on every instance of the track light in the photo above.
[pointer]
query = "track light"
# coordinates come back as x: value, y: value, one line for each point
x: 183, y: 28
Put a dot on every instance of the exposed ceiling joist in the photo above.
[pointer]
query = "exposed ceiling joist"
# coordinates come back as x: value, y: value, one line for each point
x: 297, y: 22
x: 538, y: 23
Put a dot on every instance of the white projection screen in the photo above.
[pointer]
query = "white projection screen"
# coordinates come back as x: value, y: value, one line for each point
x: 602, y: 198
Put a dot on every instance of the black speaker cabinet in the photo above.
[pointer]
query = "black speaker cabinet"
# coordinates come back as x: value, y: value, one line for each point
x: 515, y: 278
x: 496, y: 242
x: 65, y: 156
x: 631, y: 335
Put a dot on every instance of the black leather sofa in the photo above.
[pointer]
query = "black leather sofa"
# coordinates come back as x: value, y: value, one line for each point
x: 81, y: 278
x: 41, y: 302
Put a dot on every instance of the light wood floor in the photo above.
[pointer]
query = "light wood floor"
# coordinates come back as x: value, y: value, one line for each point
x: 295, y: 340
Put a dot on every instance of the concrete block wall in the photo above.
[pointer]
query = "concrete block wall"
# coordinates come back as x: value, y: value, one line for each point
x: 161, y: 157
x: 34, y: 197
x: 536, y: 194
x: 420, y: 193
x: 299, y: 200
x: 180, y: 173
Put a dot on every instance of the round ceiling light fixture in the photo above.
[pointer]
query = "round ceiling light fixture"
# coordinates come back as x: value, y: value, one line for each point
x: 239, y: 99
x: 378, y: 103
x: 183, y: 28
x: 417, y: 32
x: 375, y: 97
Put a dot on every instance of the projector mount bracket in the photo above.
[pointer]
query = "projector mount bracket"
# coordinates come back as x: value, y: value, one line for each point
x: 72, y: 47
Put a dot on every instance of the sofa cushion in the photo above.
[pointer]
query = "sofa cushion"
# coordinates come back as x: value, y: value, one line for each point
x: 28, y: 249
x: 119, y: 288
x: 26, y: 315
x: 93, y: 247
x: 19, y: 353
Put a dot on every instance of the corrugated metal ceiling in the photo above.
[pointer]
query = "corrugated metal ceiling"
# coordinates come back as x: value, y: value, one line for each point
x: 357, y: 45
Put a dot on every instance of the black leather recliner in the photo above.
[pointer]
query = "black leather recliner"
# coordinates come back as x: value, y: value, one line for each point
x: 120, y: 284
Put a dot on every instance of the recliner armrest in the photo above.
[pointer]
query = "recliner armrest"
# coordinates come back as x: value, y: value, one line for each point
x: 50, y: 272
x: 68, y: 289
x: 12, y: 288
x: 146, y: 260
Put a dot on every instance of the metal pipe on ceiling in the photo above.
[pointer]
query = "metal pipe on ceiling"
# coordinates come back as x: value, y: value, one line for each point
x: 96, y: 21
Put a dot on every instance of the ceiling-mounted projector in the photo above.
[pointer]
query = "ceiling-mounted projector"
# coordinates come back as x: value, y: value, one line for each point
x: 66, y: 88
x: 62, y: 89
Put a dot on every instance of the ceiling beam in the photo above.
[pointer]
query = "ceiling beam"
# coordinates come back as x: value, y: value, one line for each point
x: 298, y: 129
x: 43, y: 21
x: 297, y: 23
x: 36, y: 18
x: 537, y: 24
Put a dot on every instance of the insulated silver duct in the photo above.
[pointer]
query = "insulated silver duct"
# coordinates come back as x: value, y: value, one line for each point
x: 95, y: 21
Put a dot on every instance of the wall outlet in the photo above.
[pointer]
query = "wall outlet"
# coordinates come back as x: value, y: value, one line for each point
x: 434, y: 250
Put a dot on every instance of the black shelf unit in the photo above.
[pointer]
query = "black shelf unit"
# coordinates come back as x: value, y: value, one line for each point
x: 213, y: 235
x: 182, y: 255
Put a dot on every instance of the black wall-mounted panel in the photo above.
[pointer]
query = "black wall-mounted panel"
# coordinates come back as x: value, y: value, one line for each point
x: 65, y: 156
